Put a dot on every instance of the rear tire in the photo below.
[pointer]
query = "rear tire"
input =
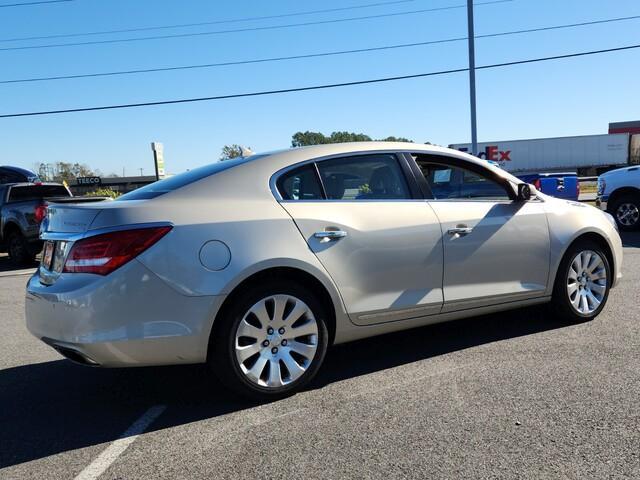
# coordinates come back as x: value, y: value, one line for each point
x: 260, y: 350
x: 626, y: 211
x: 19, y: 252
x: 582, y: 283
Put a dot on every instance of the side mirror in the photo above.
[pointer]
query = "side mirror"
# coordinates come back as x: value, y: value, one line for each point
x: 524, y: 192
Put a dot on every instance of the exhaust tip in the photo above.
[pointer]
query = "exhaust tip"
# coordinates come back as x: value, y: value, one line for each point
x: 72, y: 354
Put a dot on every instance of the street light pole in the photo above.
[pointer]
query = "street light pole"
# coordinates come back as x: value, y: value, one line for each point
x: 472, y: 78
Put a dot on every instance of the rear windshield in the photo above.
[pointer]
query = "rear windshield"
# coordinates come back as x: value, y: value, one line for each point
x: 36, y: 192
x: 161, y: 187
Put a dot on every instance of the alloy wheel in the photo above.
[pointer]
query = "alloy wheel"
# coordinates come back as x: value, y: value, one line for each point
x: 276, y: 341
x: 627, y: 214
x: 586, y: 282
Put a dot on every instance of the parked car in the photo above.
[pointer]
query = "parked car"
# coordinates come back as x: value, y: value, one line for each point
x: 22, y: 208
x: 256, y: 265
x: 619, y: 194
x: 557, y: 184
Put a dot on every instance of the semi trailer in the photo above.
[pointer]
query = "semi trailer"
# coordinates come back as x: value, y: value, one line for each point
x: 587, y: 155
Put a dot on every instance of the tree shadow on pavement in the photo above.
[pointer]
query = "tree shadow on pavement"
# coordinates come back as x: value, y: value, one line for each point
x: 57, y: 406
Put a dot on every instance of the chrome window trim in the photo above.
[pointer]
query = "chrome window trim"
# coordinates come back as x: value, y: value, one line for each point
x: 274, y: 177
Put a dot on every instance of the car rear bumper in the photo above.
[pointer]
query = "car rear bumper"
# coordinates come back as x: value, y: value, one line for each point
x: 128, y: 318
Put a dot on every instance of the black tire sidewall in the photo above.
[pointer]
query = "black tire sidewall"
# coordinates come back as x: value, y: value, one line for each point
x: 22, y: 258
x: 222, y: 359
x: 560, y: 300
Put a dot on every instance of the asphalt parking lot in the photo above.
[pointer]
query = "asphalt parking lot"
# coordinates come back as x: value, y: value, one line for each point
x: 514, y: 395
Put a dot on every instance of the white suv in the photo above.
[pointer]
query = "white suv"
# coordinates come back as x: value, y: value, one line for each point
x: 619, y: 194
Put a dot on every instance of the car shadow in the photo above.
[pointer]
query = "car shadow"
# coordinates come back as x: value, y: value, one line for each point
x: 630, y: 239
x: 7, y: 266
x: 57, y: 406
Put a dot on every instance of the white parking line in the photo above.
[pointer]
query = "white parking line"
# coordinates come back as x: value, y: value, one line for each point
x: 13, y: 273
x: 113, y: 451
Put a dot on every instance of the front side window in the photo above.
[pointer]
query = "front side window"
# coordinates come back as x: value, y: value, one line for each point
x: 365, y: 177
x: 448, y: 182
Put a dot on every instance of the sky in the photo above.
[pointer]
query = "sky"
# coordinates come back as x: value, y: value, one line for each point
x: 571, y: 97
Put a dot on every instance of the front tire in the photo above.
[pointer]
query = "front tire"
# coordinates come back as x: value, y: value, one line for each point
x: 270, y: 342
x: 582, y: 283
x: 626, y: 211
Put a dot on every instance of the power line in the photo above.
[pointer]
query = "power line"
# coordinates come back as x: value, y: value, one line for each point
x: 26, y: 4
x: 315, y: 87
x: 246, y: 29
x: 201, y: 24
x: 312, y: 55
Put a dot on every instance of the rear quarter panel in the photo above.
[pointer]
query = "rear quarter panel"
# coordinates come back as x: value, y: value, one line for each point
x: 234, y: 207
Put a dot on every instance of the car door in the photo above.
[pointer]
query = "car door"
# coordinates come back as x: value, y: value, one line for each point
x: 496, y: 249
x: 380, y: 245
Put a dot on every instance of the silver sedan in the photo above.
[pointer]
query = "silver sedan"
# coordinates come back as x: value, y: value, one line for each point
x: 256, y: 265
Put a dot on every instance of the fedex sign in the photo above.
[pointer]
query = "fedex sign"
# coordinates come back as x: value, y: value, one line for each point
x: 493, y: 153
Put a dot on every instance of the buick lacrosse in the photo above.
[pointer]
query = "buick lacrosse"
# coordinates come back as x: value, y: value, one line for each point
x: 257, y: 265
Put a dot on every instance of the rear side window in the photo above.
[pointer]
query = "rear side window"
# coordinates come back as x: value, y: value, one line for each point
x: 300, y: 184
x: 365, y: 177
x: 36, y: 192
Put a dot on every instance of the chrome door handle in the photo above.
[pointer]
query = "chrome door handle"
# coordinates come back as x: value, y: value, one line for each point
x: 460, y: 231
x: 331, y: 234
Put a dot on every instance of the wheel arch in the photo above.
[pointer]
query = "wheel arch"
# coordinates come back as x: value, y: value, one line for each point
x: 620, y: 192
x: 286, y: 273
x: 8, y: 228
x: 596, y: 237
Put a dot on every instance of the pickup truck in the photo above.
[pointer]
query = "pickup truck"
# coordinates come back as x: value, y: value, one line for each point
x: 556, y: 184
x: 619, y: 194
x: 22, y: 207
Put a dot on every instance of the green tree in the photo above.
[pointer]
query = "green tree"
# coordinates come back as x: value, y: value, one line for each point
x: 301, y: 139
x: 64, y: 171
x: 231, y: 151
x: 395, y: 139
x: 104, y: 192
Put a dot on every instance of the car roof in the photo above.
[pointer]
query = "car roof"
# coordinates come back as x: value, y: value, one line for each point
x: 287, y: 157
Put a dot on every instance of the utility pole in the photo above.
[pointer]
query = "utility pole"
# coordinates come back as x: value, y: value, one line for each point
x: 472, y: 78
x: 141, y: 169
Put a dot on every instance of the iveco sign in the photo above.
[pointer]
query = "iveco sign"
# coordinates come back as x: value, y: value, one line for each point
x: 88, y: 180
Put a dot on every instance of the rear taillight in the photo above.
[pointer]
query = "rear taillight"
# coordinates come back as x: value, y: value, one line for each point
x: 537, y: 184
x: 102, y: 254
x: 40, y: 212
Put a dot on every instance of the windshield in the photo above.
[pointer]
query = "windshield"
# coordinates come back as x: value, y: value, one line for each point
x: 161, y: 187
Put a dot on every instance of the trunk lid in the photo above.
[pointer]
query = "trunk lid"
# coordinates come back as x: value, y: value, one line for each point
x: 69, y: 218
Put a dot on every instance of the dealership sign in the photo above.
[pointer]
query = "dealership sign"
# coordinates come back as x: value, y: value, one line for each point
x: 88, y: 180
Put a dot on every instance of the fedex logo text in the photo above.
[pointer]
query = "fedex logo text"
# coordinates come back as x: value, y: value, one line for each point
x: 492, y: 152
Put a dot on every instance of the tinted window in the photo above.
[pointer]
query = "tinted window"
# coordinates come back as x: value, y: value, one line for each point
x: 36, y: 192
x: 457, y: 183
x: 300, y: 184
x: 367, y: 177
x: 160, y: 187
